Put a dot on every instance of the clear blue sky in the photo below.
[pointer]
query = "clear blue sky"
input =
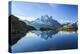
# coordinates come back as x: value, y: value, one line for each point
x: 60, y: 12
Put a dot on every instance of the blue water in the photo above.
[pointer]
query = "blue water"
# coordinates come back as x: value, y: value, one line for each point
x: 46, y: 40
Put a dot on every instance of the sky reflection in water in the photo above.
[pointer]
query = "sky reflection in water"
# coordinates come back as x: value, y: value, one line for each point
x: 46, y: 40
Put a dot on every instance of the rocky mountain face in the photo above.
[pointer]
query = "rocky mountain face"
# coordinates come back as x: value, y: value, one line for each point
x: 45, y: 22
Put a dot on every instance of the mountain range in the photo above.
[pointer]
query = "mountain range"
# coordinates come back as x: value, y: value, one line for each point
x: 44, y: 22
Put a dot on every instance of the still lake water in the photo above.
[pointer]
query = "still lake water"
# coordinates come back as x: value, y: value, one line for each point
x: 46, y: 40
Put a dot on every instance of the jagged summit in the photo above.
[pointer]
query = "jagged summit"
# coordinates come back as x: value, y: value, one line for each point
x: 46, y: 22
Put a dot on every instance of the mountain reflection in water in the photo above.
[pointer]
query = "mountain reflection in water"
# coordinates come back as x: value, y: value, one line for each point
x: 46, y: 40
x: 45, y: 34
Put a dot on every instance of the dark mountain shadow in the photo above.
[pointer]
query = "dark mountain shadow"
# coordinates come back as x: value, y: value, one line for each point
x: 17, y: 29
x: 75, y: 26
